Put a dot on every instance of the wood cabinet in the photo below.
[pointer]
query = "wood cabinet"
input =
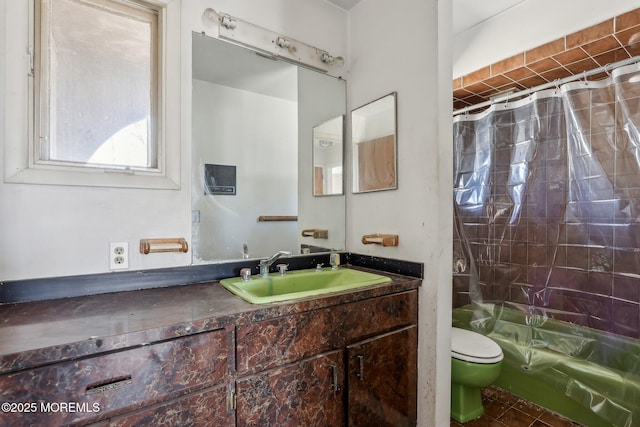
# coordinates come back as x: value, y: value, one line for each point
x: 202, y: 409
x: 86, y: 390
x: 301, y: 369
x: 382, y: 380
x: 353, y: 363
x: 307, y: 393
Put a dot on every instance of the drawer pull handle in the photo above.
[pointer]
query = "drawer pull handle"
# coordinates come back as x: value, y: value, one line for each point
x: 112, y: 384
x: 334, y: 378
x: 361, y: 370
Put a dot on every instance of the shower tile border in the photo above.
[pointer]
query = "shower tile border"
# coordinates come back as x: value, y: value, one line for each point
x: 609, y: 41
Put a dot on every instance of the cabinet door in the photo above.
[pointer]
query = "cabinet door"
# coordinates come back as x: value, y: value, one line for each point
x: 203, y: 409
x: 111, y: 384
x: 382, y: 380
x: 307, y: 393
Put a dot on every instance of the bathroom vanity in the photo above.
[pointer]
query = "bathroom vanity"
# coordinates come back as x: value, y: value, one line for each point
x: 198, y: 355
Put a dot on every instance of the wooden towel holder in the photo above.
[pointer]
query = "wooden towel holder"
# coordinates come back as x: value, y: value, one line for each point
x: 316, y: 233
x: 268, y: 218
x: 149, y: 246
x: 380, y: 239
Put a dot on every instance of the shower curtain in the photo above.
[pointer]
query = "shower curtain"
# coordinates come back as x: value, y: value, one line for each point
x: 547, y: 203
x: 547, y: 224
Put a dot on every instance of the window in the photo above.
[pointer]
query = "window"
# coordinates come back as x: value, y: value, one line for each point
x: 96, y: 84
x: 97, y: 94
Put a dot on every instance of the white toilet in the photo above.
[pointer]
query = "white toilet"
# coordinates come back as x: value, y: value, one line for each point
x: 476, y: 361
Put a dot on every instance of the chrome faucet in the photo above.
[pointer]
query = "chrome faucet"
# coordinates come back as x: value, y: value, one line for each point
x: 266, y: 263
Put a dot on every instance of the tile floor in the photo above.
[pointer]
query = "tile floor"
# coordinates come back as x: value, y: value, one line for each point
x: 502, y: 409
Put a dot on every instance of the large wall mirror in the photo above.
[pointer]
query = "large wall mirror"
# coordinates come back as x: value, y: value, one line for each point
x: 373, y: 135
x: 252, y: 150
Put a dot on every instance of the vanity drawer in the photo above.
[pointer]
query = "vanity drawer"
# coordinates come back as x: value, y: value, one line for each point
x: 94, y: 388
x: 276, y: 342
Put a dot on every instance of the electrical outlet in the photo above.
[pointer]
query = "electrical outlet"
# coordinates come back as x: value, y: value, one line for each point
x: 119, y: 256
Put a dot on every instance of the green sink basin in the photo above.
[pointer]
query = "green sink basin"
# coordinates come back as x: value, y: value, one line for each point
x: 300, y: 284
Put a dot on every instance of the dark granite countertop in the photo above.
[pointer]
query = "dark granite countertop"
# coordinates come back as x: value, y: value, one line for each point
x: 44, y: 332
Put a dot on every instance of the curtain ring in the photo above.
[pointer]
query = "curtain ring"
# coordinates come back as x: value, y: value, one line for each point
x: 606, y: 69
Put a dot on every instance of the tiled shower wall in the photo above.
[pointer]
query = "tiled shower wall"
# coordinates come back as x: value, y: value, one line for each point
x: 610, y: 41
x: 550, y: 223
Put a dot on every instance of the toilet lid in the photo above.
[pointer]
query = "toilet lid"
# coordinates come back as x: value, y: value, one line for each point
x: 474, y: 347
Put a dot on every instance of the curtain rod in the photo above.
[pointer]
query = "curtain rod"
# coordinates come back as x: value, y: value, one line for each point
x: 555, y: 83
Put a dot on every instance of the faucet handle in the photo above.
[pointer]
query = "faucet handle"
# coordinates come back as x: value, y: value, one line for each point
x: 334, y: 260
x: 282, y: 268
x: 245, y: 273
x: 319, y: 266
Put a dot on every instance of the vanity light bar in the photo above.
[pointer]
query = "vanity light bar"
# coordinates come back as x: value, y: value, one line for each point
x: 273, y: 44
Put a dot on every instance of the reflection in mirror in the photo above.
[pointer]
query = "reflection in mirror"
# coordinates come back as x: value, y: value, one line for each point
x: 373, y: 135
x: 248, y: 115
x: 327, y: 157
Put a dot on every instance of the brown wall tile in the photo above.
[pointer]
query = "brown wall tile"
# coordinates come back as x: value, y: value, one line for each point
x: 520, y: 74
x: 580, y: 66
x: 629, y: 36
x: 603, y: 45
x: 571, y: 56
x: 545, y: 51
x: 477, y: 88
x: 590, y: 34
x: 507, y: 64
x: 534, y: 81
x: 498, y: 81
x: 477, y: 76
x: 543, y: 65
x: 554, y: 60
x: 627, y: 20
x: 558, y: 73
x: 611, y: 57
x: 461, y: 93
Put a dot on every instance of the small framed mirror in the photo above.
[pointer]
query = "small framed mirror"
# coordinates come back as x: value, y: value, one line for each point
x: 373, y: 135
x: 328, y: 149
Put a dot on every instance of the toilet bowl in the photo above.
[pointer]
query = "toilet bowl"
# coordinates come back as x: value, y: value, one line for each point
x: 476, y: 361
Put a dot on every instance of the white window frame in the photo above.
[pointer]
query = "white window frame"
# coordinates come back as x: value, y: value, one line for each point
x: 21, y: 164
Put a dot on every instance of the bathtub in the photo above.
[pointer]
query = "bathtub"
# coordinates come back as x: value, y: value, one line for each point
x: 589, y: 376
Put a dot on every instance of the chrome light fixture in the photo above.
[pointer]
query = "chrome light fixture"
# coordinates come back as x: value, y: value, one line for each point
x: 268, y: 42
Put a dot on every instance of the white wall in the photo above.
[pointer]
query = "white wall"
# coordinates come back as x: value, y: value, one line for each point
x: 50, y: 230
x: 65, y: 230
x: 259, y: 135
x: 528, y: 25
x: 413, y: 59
